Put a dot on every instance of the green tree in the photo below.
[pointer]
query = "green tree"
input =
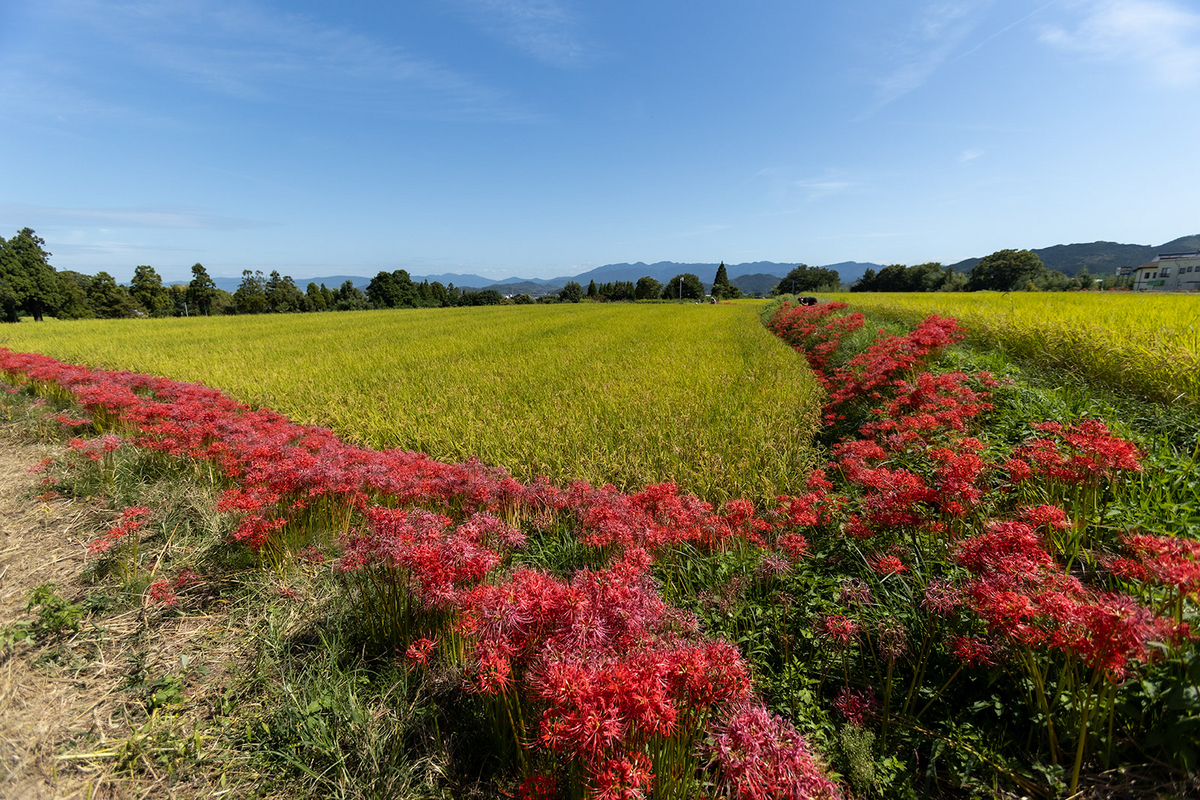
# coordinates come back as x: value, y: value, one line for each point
x: 147, y: 291
x: 9, y: 299
x: 283, y: 296
x: 408, y: 295
x: 348, y: 297
x: 107, y: 299
x: 75, y: 304
x: 201, y: 291
x: 647, y: 289
x: 571, y: 293
x: 722, y: 289
x: 1083, y: 279
x: 251, y: 294
x: 314, y: 299
x: 484, y: 297
x: 807, y: 279
x: 439, y: 296
x: 1004, y: 271
x: 29, y: 280
x: 177, y: 295
x: 591, y: 292
x: 382, y: 291
x: 685, y: 286
x: 952, y: 281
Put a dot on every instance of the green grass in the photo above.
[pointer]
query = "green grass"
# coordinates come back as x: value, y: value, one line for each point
x: 1147, y: 344
x: 609, y: 393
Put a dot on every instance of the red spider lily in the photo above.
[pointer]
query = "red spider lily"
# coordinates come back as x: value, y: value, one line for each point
x: 773, y: 565
x: 793, y: 545
x: 854, y: 592
x: 1009, y: 548
x: 163, y: 594
x: 131, y: 521
x: 625, y: 778
x: 761, y: 756
x: 892, y: 638
x: 96, y: 449
x: 493, y: 673
x: 812, y: 330
x: 1047, y: 516
x: 838, y: 629
x: 1083, y: 454
x: 856, y: 528
x: 1165, y: 560
x: 973, y: 652
x: 942, y: 597
x: 419, y: 651
x: 856, y: 706
x: 872, y: 372
x: 1115, y: 629
x: 959, y: 476
x: 887, y: 565
x: 537, y: 787
x: 931, y: 404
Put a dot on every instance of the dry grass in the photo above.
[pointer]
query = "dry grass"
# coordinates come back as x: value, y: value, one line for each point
x: 70, y: 724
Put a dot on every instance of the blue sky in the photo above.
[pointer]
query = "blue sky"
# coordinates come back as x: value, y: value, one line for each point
x: 546, y: 137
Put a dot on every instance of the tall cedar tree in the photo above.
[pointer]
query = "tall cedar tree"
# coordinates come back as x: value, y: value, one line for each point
x: 26, y: 278
x: 200, y: 291
x: 721, y: 288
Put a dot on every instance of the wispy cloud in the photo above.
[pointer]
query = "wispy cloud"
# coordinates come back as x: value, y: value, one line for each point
x: 933, y: 36
x: 256, y: 54
x: 1161, y: 36
x: 968, y: 156
x: 546, y: 29
x: 161, y: 217
x: 823, y: 187
x: 784, y: 188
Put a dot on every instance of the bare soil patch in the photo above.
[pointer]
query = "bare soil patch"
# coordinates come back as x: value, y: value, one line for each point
x: 117, y: 707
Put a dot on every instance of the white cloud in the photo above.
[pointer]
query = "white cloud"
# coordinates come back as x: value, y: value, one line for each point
x: 545, y: 29
x: 823, y: 187
x: 969, y: 155
x: 1161, y: 36
x: 932, y: 38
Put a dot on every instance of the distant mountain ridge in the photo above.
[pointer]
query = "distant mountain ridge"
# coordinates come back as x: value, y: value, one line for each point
x: 752, y: 277
x: 1099, y: 257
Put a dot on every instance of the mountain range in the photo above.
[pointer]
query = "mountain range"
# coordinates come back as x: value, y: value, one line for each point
x: 759, y: 277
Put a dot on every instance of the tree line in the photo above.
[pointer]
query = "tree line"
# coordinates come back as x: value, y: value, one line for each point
x: 29, y: 285
x: 1002, y: 271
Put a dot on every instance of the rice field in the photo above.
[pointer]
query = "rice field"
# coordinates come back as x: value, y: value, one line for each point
x: 1145, y: 343
x: 622, y: 394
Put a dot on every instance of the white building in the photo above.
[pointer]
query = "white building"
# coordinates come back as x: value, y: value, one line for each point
x: 1169, y: 272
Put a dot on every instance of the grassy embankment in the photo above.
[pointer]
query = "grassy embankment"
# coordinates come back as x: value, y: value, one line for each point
x: 1148, y: 344
x: 621, y: 394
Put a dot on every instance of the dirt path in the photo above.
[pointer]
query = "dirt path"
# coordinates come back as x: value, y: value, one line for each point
x: 70, y: 726
x: 39, y: 706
